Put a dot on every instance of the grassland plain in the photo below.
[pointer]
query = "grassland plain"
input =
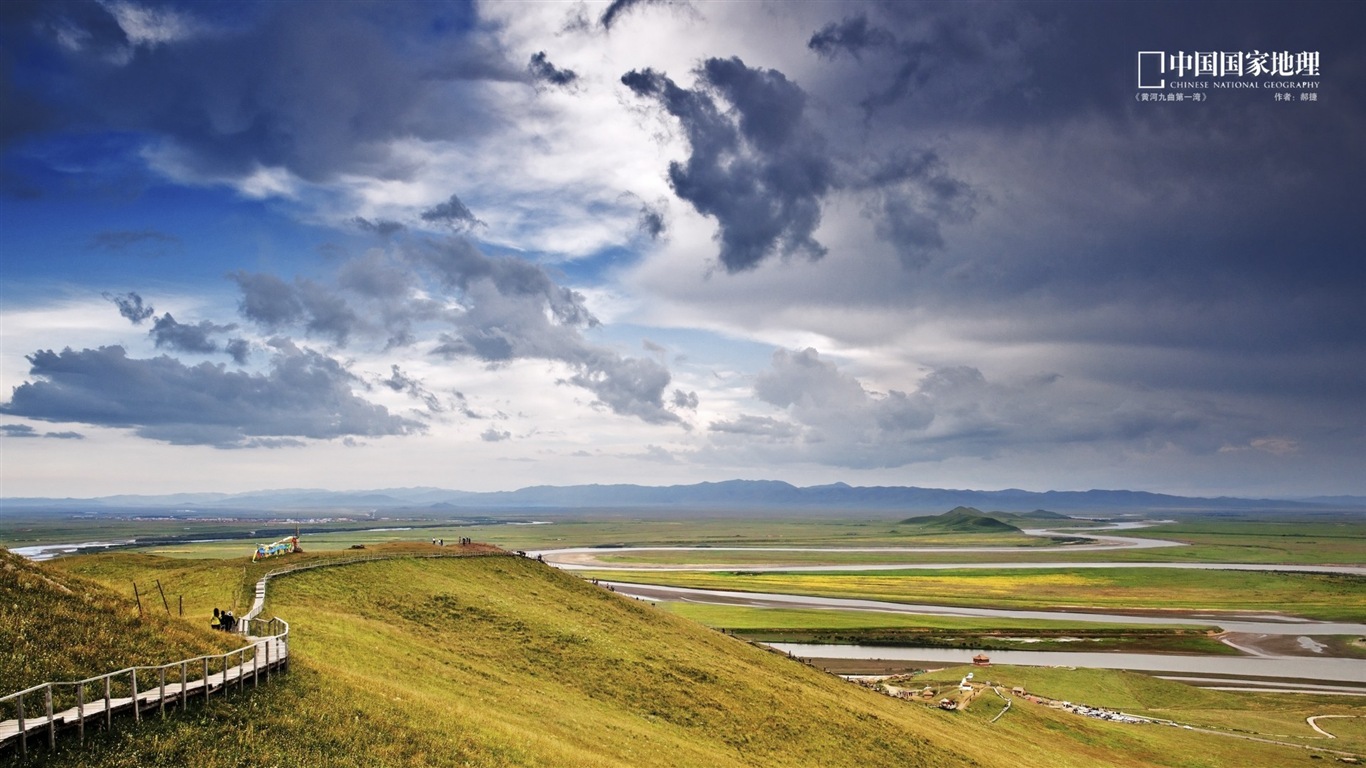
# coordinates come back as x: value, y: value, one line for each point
x: 772, y: 625
x: 1329, y: 597
x: 1208, y: 540
x: 1246, y: 714
x: 495, y: 661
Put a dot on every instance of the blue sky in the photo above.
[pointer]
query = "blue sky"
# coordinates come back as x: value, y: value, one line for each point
x: 491, y: 245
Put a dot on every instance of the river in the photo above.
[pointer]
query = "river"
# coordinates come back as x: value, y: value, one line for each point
x: 1326, y: 670
x: 1230, y: 622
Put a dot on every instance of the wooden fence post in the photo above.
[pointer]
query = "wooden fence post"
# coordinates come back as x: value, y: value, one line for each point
x: 23, y: 731
x: 163, y: 598
x: 137, y: 597
x: 51, y: 724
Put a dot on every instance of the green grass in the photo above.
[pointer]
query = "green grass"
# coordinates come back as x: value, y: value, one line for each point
x: 1342, y: 543
x: 874, y: 628
x: 504, y: 661
x: 1310, y: 595
x: 500, y: 661
x: 1280, y: 717
x: 58, y: 627
x: 962, y: 520
x: 1212, y: 540
x: 746, y: 617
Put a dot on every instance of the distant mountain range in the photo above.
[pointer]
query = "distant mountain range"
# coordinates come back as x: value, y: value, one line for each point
x: 731, y: 494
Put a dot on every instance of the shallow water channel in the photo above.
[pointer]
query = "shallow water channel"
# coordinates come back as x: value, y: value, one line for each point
x: 1230, y: 622
x: 1350, y: 671
x: 1325, y: 670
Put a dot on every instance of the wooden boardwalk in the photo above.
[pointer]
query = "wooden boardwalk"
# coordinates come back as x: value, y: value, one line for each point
x: 44, y: 710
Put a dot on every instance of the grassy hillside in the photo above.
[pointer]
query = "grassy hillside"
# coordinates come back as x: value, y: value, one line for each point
x: 56, y: 626
x: 503, y: 661
x: 960, y: 520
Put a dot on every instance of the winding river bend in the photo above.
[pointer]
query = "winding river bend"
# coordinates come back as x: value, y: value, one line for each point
x: 1230, y: 622
x: 1337, y: 675
x: 1332, y: 675
x: 590, y: 558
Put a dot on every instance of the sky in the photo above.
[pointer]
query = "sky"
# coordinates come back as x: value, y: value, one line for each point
x: 484, y: 246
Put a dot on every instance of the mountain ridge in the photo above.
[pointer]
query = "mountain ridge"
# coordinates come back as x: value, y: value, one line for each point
x: 736, y: 494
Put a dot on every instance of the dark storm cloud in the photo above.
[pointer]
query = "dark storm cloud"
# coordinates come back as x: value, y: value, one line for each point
x: 507, y: 284
x: 275, y: 304
x: 359, y: 75
x: 462, y: 404
x: 267, y: 300
x: 853, y: 35
x: 328, y: 314
x: 147, y: 240
x: 447, y: 294
x: 197, y: 338
x: 687, y: 401
x: 452, y: 213
x: 381, y: 227
x: 401, y: 382
x: 541, y: 69
x: 238, y: 349
x: 130, y: 306
x: 652, y: 221
x: 955, y: 55
x: 630, y: 386
x: 514, y: 310
x: 305, y: 395
x: 377, y: 276
x: 755, y: 166
x: 618, y: 8
x: 762, y: 427
x: 955, y: 411
x: 24, y: 430
x: 912, y: 195
x: 1200, y: 262
x: 64, y: 435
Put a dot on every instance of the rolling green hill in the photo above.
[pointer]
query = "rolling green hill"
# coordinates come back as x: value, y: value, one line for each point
x: 57, y: 626
x: 960, y: 520
x: 503, y: 661
x: 1036, y: 515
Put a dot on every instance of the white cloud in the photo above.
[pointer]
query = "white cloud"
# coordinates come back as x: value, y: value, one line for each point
x: 146, y: 25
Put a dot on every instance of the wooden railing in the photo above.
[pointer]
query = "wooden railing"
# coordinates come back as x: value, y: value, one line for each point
x: 69, y: 705
x: 60, y: 706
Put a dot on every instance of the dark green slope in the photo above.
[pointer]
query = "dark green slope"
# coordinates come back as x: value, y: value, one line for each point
x: 960, y: 520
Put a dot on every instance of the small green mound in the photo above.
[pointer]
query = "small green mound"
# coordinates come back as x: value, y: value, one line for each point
x: 1041, y: 514
x: 961, y: 520
x: 62, y: 627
